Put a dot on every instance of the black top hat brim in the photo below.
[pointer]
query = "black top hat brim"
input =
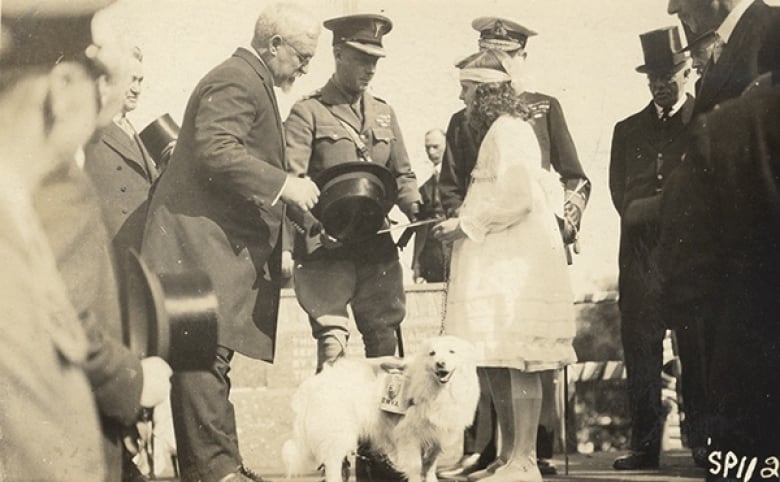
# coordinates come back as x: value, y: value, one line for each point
x: 680, y: 59
x: 355, y: 198
x: 171, y: 316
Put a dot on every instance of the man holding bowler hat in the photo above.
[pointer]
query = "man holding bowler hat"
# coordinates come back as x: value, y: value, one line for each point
x: 646, y: 148
x: 338, y: 124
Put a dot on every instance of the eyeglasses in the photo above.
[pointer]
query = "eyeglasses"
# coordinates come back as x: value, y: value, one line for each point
x: 302, y: 59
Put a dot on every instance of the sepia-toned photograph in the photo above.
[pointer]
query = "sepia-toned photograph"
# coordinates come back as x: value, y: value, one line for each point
x: 390, y: 241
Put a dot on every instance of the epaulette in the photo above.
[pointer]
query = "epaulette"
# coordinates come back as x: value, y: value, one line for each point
x: 539, y: 109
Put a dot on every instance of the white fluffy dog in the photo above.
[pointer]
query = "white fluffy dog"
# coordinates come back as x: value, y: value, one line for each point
x: 341, y: 405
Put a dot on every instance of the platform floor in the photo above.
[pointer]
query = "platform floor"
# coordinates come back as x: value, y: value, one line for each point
x: 676, y: 466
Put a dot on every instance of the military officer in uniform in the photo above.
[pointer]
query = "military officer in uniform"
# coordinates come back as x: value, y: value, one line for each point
x: 558, y: 153
x: 342, y: 122
x: 646, y: 148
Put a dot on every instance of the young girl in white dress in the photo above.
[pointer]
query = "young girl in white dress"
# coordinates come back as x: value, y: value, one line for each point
x: 509, y: 291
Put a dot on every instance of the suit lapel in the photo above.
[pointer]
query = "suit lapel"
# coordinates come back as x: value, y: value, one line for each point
x: 118, y: 140
x: 732, y: 56
x: 268, y: 83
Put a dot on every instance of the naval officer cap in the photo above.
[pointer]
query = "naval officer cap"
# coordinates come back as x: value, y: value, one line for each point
x: 501, y: 33
x: 44, y: 32
x: 362, y: 32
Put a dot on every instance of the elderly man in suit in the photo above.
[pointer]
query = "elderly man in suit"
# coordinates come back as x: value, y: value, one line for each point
x: 219, y: 207
x: 746, y: 43
x: 646, y: 147
x: 559, y: 154
x: 122, y: 170
x: 431, y: 256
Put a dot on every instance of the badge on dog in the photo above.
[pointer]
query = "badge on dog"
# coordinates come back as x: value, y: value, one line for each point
x: 393, y: 399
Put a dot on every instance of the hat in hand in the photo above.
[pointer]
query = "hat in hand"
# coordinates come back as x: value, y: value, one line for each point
x: 355, y: 198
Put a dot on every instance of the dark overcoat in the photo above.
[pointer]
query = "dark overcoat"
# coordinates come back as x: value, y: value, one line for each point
x: 122, y: 172
x: 752, y: 49
x: 215, y: 207
x: 644, y: 152
x: 736, y: 154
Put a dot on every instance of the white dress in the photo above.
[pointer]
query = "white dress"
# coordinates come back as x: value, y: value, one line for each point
x: 509, y: 291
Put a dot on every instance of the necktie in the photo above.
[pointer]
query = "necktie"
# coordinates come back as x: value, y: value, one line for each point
x: 666, y: 114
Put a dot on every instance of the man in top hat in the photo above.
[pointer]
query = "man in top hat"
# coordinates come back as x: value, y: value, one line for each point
x: 219, y: 207
x: 339, y: 123
x: 159, y: 137
x: 122, y: 170
x: 646, y: 148
x: 559, y: 154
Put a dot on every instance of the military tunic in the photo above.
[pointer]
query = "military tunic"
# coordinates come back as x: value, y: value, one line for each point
x: 367, y: 274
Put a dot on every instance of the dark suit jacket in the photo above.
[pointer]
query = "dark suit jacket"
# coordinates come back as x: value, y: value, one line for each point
x: 752, y: 50
x: 551, y: 130
x: 71, y: 217
x: 736, y: 154
x: 213, y: 207
x: 122, y: 172
x: 644, y: 152
x: 429, y: 253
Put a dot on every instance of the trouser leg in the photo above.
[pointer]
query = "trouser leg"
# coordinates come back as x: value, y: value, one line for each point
x: 324, y: 288
x: 691, y: 341
x: 379, y: 306
x: 204, y: 422
x: 642, y: 336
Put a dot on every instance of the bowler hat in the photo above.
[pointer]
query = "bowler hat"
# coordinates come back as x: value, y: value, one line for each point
x: 363, y: 32
x: 173, y: 316
x: 159, y: 135
x: 662, y: 49
x: 501, y: 33
x: 355, y: 198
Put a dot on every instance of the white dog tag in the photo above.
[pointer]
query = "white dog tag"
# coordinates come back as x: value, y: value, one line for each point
x: 393, y: 399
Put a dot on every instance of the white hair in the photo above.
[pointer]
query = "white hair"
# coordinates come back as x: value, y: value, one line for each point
x: 288, y: 20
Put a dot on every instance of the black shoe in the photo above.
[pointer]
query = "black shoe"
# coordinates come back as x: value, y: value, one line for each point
x: 466, y: 465
x: 700, y: 457
x: 636, y: 461
x: 250, y: 474
x: 546, y: 467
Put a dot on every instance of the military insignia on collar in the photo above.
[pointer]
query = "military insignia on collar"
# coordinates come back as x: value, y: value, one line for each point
x: 383, y: 120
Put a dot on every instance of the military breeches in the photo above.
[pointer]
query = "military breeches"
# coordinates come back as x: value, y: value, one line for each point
x: 374, y: 291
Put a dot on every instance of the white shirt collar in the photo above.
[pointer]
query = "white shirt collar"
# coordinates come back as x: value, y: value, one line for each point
x: 727, y: 27
x: 675, y: 108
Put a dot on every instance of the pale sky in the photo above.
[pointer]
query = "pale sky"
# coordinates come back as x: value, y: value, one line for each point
x: 584, y: 55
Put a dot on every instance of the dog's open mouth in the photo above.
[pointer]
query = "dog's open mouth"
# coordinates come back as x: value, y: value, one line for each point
x: 443, y: 375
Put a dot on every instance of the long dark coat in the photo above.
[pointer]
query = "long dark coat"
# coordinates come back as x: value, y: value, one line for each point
x: 214, y: 207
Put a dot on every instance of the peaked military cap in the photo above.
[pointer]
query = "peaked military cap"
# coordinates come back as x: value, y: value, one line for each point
x: 44, y: 32
x: 501, y: 33
x: 363, y: 32
x: 662, y: 49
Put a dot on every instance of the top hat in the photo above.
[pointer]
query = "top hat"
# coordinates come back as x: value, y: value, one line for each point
x: 173, y: 316
x: 501, y: 33
x: 355, y: 198
x: 158, y: 137
x: 663, y: 50
x: 362, y: 32
x: 44, y: 32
